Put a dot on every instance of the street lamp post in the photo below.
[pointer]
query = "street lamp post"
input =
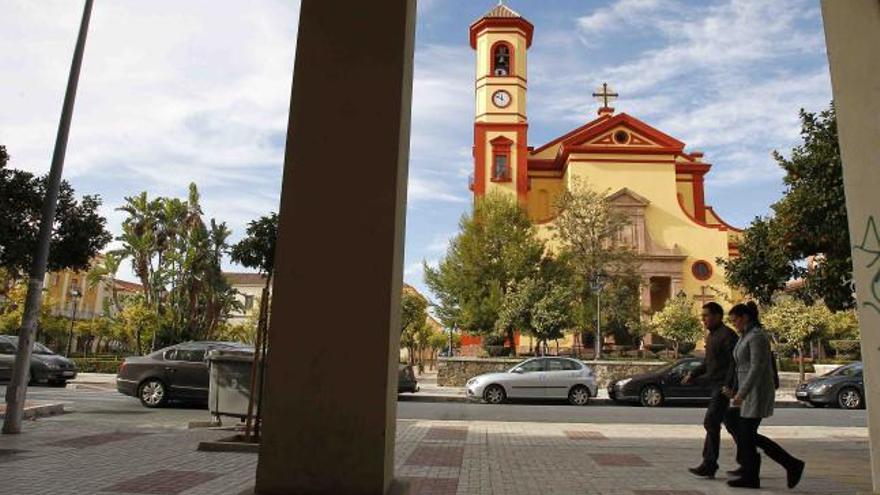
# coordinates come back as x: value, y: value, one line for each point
x: 598, y: 284
x: 75, y: 294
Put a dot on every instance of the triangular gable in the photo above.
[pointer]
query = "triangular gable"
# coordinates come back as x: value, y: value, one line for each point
x: 631, y: 138
x: 640, y: 134
x: 599, y: 132
x: 626, y: 197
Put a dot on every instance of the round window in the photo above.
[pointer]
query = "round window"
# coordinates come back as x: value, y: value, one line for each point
x: 702, y: 270
x: 621, y: 137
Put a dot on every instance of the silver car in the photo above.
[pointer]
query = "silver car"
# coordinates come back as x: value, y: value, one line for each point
x: 537, y: 378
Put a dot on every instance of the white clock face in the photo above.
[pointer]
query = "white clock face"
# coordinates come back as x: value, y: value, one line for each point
x: 501, y: 98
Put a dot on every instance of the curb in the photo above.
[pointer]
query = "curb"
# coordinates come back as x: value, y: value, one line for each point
x: 40, y: 411
x: 593, y: 402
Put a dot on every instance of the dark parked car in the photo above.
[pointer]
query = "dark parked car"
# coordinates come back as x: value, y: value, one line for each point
x: 655, y: 388
x: 843, y: 387
x: 46, y: 366
x: 406, y: 379
x: 176, y: 373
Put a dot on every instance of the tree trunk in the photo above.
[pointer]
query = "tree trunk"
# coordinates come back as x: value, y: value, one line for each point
x: 511, y: 341
x: 137, y: 338
x: 800, y: 351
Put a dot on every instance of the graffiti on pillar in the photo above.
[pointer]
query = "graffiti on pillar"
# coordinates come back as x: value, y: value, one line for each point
x: 871, y: 246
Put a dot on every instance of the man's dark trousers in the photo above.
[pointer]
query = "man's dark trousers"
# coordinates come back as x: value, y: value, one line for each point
x: 715, y: 414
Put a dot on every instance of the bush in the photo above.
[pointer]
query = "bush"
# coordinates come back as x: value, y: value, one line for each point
x: 90, y: 365
x: 846, y: 349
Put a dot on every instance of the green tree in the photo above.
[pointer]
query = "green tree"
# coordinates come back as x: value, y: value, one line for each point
x: 79, y: 234
x: 50, y: 329
x: 177, y: 258
x: 495, y: 248
x: 812, y: 213
x: 588, y: 228
x: 791, y: 323
x: 414, y: 330
x: 763, y: 267
x: 677, y: 322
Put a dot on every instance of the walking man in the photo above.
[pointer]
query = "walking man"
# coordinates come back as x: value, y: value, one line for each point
x: 715, y: 371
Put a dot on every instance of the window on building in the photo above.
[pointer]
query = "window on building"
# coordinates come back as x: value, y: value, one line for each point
x: 248, y: 303
x: 501, y: 60
x: 500, y: 169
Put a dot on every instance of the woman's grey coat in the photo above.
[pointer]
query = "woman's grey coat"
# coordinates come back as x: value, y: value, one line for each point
x: 754, y: 374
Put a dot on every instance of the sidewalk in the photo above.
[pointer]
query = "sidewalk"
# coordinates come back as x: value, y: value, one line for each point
x: 432, y: 457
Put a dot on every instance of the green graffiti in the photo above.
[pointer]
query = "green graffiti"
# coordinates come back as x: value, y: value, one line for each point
x: 871, y: 245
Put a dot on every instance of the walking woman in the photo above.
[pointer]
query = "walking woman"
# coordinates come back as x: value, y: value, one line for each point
x: 755, y: 392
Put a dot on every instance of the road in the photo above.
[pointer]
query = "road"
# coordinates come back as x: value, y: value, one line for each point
x: 104, y: 404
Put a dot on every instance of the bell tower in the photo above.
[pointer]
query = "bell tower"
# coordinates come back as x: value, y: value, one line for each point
x: 501, y: 39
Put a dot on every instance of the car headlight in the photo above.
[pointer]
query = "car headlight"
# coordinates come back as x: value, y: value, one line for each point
x: 472, y: 381
x: 53, y: 366
x: 821, y: 388
x: 623, y: 382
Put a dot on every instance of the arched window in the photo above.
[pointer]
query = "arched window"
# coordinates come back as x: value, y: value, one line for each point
x: 501, y: 60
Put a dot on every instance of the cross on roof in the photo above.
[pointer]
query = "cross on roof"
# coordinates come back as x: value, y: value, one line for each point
x: 604, y: 94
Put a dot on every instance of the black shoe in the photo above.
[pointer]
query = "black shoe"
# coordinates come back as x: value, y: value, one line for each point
x: 744, y: 483
x: 738, y: 472
x: 794, y: 474
x: 704, y: 470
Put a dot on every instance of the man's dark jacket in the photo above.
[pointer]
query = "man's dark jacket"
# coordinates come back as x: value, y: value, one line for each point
x: 717, y: 368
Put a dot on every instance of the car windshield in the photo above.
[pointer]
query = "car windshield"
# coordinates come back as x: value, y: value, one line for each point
x: 848, y: 370
x: 38, y: 347
x: 41, y: 349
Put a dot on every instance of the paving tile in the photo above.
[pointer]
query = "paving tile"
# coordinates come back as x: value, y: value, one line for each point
x: 667, y: 492
x: 164, y: 482
x: 95, y: 440
x: 447, y: 433
x: 437, y: 455
x: 584, y: 435
x: 619, y: 460
x: 431, y: 486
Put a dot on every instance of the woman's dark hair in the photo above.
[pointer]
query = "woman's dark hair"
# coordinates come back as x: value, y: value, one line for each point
x: 749, y: 309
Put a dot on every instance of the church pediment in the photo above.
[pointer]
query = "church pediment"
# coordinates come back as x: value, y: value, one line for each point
x: 627, y: 198
x: 621, y: 132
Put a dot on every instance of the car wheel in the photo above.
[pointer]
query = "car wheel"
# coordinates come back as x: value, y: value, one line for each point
x: 651, y: 396
x: 849, y: 398
x: 495, y: 394
x: 152, y: 393
x: 579, y: 396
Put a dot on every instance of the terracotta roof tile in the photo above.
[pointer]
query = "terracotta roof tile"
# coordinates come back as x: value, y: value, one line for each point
x: 501, y: 11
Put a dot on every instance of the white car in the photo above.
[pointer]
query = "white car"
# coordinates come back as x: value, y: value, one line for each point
x: 537, y: 378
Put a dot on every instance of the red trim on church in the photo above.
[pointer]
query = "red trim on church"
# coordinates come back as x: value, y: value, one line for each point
x: 519, y: 25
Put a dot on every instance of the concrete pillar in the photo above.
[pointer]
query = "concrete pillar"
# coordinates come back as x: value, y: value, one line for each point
x: 330, y: 405
x: 852, y: 34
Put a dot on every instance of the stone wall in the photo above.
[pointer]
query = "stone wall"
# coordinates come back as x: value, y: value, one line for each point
x: 455, y: 372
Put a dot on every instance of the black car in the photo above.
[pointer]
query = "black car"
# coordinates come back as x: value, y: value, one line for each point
x: 175, y: 373
x: 843, y: 387
x: 46, y: 366
x: 655, y: 388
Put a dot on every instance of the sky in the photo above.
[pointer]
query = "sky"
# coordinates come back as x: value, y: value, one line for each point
x: 176, y: 92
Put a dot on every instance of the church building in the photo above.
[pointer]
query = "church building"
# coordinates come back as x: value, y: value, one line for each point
x: 648, y: 173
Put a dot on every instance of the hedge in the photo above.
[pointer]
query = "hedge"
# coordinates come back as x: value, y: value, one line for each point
x: 93, y: 365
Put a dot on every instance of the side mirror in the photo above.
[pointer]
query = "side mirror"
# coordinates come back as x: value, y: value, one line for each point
x: 518, y: 371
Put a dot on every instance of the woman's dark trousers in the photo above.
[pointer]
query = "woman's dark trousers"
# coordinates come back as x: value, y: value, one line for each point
x: 748, y: 441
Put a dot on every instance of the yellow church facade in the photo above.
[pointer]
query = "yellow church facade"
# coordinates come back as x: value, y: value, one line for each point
x: 647, y: 173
